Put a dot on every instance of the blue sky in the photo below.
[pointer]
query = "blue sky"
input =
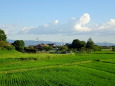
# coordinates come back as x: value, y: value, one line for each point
x: 54, y: 20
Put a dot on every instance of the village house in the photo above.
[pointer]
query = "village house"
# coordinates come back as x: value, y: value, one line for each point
x: 39, y: 46
x: 53, y: 45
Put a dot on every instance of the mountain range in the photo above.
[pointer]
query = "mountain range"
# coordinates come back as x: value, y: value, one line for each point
x: 32, y: 42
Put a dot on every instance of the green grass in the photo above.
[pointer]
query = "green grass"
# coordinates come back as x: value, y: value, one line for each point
x: 22, y: 69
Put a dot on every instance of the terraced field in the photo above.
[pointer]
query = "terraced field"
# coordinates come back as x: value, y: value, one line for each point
x: 96, y: 69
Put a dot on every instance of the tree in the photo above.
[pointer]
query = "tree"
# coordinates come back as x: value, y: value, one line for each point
x: 11, y: 47
x: 97, y: 48
x: 78, y: 44
x: 2, y: 35
x: 63, y: 48
x: 113, y: 48
x: 19, y: 45
x: 90, y: 44
x: 83, y: 44
x: 3, y: 43
x: 47, y: 48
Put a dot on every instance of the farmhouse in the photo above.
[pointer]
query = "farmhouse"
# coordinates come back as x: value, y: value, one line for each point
x: 53, y: 45
x: 39, y: 46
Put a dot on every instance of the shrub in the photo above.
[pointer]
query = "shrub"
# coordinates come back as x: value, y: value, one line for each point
x: 3, y: 43
x: 11, y: 47
x: 97, y: 48
x: 2, y: 35
x: 63, y: 48
x: 19, y: 45
x: 47, y: 48
x: 113, y: 48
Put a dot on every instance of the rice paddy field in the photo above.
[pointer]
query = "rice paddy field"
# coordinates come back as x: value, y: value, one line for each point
x: 21, y: 69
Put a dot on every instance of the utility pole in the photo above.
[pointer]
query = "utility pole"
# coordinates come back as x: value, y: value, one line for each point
x: 105, y: 43
x: 37, y: 40
x: 62, y: 42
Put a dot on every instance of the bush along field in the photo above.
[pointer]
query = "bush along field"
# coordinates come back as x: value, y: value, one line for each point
x: 23, y: 69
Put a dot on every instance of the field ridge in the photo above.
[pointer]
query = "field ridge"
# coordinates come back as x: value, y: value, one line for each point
x: 66, y: 64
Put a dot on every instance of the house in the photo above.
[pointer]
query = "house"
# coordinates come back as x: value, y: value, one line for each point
x: 9, y: 44
x: 39, y: 46
x: 53, y: 45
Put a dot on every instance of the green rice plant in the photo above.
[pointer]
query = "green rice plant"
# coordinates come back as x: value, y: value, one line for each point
x: 107, y: 67
x: 42, y: 69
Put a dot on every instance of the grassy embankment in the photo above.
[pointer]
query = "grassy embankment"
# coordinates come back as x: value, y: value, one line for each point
x: 96, y: 69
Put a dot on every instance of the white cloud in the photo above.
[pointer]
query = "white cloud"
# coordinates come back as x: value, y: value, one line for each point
x: 84, y: 19
x: 81, y: 28
x: 46, y: 25
x: 11, y: 29
x: 80, y: 25
x: 107, y: 26
x: 25, y: 30
x: 74, y: 26
x: 112, y: 22
x: 56, y: 21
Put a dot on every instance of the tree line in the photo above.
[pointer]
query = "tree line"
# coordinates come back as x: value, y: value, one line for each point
x: 18, y: 44
x: 82, y: 45
x: 76, y: 45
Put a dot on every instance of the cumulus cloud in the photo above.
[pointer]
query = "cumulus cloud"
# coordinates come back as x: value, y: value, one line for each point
x: 84, y: 19
x: 11, y: 29
x: 74, y: 26
x: 112, y: 22
x: 109, y: 25
x: 25, y: 30
x: 80, y: 25
x: 56, y: 21
x: 81, y: 28
x: 46, y: 25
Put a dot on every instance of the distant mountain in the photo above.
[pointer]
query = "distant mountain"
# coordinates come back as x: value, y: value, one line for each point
x: 105, y: 44
x: 32, y: 42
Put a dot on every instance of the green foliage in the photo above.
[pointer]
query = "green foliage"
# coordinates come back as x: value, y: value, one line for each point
x: 23, y: 69
x: 3, y: 43
x: 57, y: 70
x: 11, y: 47
x: 2, y: 35
x: 78, y: 44
x: 30, y: 49
x: 106, y: 47
x: 63, y: 48
x: 69, y: 46
x: 113, y: 48
x: 90, y: 44
x: 81, y: 46
x: 47, y: 48
x: 19, y: 45
x: 97, y: 48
